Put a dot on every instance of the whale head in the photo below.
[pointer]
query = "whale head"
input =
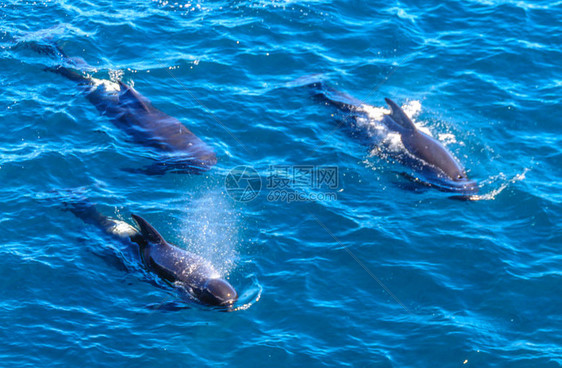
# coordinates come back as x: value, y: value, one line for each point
x: 458, y: 183
x: 217, y: 292
x: 467, y: 186
x: 466, y: 183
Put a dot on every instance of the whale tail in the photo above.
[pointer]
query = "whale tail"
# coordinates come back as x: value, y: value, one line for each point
x: 326, y: 94
x: 44, y: 44
x: 87, y: 211
x: 68, y: 73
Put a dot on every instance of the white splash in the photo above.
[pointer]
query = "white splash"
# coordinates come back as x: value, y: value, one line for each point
x: 115, y: 75
x: 412, y: 108
x: 504, y: 184
x: 391, y: 140
x: 109, y: 86
x: 447, y: 138
x: 121, y: 229
x: 374, y: 113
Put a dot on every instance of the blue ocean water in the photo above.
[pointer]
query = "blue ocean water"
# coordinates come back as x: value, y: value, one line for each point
x: 371, y: 274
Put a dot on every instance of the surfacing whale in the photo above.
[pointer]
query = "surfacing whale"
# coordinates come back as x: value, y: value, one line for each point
x: 430, y: 162
x: 185, y: 269
x: 178, y: 149
x: 193, y: 276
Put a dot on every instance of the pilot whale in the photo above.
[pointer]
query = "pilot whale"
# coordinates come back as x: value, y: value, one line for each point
x: 177, y: 148
x: 192, y: 275
x: 431, y: 163
x: 183, y: 268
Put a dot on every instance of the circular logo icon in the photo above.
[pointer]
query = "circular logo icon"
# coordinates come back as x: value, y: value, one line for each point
x: 243, y: 183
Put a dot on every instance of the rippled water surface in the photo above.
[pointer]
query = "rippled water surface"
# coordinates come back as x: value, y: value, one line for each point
x: 372, y: 271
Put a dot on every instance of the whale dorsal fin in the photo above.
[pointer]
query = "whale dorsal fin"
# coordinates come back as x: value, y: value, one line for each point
x: 148, y: 231
x: 399, y: 116
x: 130, y: 96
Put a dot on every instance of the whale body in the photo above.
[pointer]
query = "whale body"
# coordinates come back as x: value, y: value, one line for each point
x: 185, y: 269
x: 177, y: 148
x: 430, y: 162
x: 192, y: 275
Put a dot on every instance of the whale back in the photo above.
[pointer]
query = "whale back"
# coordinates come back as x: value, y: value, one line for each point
x: 152, y: 127
x: 441, y: 163
x: 148, y: 231
x: 180, y: 150
x: 432, y: 152
x: 400, y: 118
x: 171, y: 262
x: 423, y: 146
